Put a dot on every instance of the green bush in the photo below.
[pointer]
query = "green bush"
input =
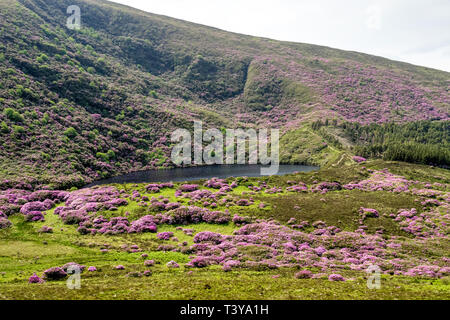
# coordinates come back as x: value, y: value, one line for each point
x: 18, y: 130
x: 91, y: 136
x: 42, y: 58
x: 111, y: 154
x: 13, y: 115
x: 45, y: 118
x: 102, y: 156
x: 153, y: 94
x: 70, y: 133
x: 4, y: 127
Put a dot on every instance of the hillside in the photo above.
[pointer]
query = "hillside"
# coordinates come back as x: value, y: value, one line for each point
x: 76, y: 106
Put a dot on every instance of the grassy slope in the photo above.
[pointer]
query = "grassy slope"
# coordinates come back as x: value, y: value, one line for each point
x: 24, y: 251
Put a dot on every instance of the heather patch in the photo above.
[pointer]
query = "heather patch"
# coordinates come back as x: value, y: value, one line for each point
x: 35, y: 279
x: 55, y: 273
x: 5, y: 223
x: 271, y: 245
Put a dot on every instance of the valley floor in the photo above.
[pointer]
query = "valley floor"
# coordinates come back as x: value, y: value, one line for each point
x: 301, y: 236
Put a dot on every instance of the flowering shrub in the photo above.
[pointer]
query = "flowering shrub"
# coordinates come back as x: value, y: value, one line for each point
x: 381, y: 180
x: 216, y: 183
x: 116, y: 225
x: 199, y: 262
x: 194, y: 215
x: 149, y: 263
x: 188, y: 187
x: 79, y: 204
x: 427, y: 224
x: 336, y: 277
x: 156, y: 188
x: 238, y: 220
x: 300, y: 187
x: 33, y: 216
x: 46, y: 229
x: 144, y: 224
x: 35, y: 279
x: 243, y: 203
x: 36, y: 206
x: 359, y: 159
x: 301, y: 225
x: 274, y: 190
x: 208, y: 236
x: 201, y: 194
x: 216, y: 217
x: 164, y: 235
x: 5, y: 223
x: 427, y: 271
x: 230, y: 264
x: 152, y: 188
x: 168, y: 185
x: 55, y: 273
x: 158, y: 206
x: 172, y: 264
x: 92, y: 269
x: 320, y: 251
x: 172, y: 205
x: 266, y: 244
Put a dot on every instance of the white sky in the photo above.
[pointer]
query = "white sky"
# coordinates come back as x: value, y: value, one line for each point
x: 414, y: 31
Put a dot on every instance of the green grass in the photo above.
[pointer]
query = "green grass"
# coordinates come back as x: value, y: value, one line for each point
x: 303, y: 145
x: 214, y: 284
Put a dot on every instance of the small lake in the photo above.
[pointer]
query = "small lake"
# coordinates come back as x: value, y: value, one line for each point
x: 198, y: 173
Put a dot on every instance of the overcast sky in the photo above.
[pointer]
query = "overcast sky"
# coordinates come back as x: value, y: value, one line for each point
x: 414, y: 31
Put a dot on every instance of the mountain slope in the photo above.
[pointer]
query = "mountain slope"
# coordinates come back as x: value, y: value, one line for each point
x: 81, y: 105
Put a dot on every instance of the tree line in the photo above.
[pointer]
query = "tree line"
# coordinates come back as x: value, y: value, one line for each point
x: 424, y: 142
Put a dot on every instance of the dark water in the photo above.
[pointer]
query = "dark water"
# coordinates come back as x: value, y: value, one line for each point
x: 198, y: 173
